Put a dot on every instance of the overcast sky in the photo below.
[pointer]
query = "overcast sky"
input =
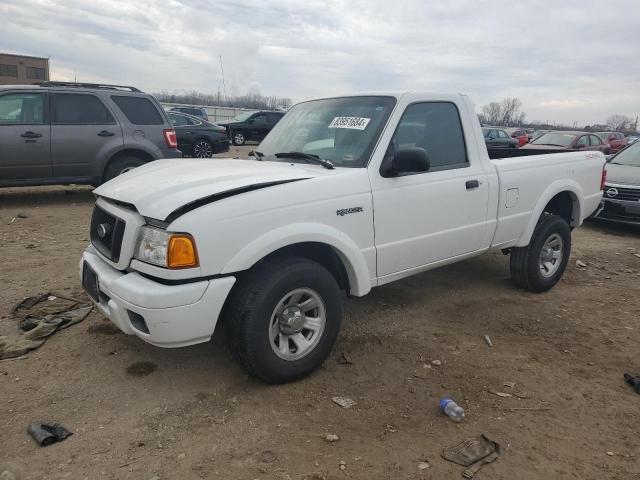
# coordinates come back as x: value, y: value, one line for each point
x: 566, y: 60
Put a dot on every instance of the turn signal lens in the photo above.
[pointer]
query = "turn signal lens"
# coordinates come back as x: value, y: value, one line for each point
x: 182, y: 252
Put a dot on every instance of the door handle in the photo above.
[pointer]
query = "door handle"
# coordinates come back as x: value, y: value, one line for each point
x: 471, y: 184
x: 105, y: 133
x: 31, y: 134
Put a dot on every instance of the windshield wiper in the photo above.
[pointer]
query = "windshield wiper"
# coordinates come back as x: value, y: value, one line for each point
x: 307, y: 156
x: 550, y: 144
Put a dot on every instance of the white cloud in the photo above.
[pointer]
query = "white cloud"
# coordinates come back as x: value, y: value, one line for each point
x: 568, y: 62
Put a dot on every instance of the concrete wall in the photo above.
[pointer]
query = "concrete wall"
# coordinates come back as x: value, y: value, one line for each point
x: 22, y: 65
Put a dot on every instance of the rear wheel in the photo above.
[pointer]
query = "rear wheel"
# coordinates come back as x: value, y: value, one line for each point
x: 238, y: 138
x: 283, y: 319
x: 202, y: 149
x: 540, y: 265
x: 121, y: 165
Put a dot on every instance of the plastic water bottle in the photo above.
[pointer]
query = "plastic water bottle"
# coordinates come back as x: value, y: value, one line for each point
x: 451, y: 409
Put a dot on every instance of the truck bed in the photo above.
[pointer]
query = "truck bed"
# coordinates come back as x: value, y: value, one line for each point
x: 528, y: 183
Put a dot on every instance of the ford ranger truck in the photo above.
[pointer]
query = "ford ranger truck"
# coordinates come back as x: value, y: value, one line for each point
x: 344, y: 194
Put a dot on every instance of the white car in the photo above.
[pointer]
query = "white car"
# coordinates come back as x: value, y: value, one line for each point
x: 345, y: 193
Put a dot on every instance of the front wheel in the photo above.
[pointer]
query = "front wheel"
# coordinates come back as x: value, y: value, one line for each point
x: 238, y: 138
x: 540, y: 265
x: 283, y: 319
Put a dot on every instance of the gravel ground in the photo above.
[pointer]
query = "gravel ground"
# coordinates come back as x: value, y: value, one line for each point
x: 192, y: 413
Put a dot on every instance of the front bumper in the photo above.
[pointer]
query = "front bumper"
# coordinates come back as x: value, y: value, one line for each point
x: 163, y: 315
x: 620, y: 211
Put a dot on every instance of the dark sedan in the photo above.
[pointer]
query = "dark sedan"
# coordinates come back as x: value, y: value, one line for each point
x: 498, y: 138
x: 568, y: 141
x: 198, y: 138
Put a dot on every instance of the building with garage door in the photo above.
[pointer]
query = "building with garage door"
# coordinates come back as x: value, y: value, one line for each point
x: 22, y: 69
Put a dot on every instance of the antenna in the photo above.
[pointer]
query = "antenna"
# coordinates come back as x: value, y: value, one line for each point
x: 224, y: 86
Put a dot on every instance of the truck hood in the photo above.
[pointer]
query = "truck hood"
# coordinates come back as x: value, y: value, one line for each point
x: 623, y: 174
x: 160, y: 189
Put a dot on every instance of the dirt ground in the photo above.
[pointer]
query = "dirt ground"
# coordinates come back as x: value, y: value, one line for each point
x: 191, y: 413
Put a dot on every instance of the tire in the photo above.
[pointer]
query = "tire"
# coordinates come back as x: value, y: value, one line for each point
x: 529, y: 270
x: 238, y: 138
x: 254, y: 329
x: 121, y: 165
x: 202, y: 148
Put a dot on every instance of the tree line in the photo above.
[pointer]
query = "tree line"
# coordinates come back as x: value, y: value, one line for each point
x: 251, y: 100
x: 508, y: 113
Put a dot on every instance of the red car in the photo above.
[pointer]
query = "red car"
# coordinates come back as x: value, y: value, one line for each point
x: 569, y: 141
x: 616, y: 140
x: 519, y: 134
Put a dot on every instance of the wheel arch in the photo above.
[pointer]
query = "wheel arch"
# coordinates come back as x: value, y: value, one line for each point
x: 560, y: 198
x: 127, y: 152
x: 331, y: 248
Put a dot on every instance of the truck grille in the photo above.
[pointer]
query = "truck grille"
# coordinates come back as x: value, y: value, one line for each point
x: 106, y: 233
x: 627, y: 194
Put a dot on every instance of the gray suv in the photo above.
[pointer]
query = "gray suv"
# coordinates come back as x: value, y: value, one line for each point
x: 61, y: 133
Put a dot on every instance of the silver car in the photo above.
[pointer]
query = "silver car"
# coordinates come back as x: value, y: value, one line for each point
x: 621, y: 200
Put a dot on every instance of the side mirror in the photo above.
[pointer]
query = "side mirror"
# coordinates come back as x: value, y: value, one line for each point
x: 251, y: 120
x: 408, y: 160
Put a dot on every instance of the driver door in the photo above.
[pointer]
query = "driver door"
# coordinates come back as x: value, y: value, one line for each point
x: 428, y: 217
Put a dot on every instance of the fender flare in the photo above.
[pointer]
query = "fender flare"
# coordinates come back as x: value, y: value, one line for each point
x: 559, y: 186
x: 346, y: 249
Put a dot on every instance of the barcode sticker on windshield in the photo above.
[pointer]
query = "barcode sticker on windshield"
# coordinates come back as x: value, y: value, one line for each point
x: 355, y: 123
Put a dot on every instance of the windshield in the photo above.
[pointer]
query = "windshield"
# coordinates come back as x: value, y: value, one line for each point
x: 629, y: 156
x: 560, y: 139
x: 241, y: 117
x: 341, y: 130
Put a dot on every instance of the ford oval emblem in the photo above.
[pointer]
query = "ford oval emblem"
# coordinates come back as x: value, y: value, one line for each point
x: 103, y: 230
x: 612, y: 192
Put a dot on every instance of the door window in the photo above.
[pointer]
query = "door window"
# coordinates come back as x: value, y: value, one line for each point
x: 79, y: 109
x: 260, y: 119
x: 178, y: 120
x: 582, y: 142
x: 436, y: 127
x: 502, y: 134
x: 595, y: 140
x: 22, y: 108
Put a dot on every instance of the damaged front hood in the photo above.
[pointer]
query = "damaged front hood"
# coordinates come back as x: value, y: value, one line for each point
x: 165, y: 187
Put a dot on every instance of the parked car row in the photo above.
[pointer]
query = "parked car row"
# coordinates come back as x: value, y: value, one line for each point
x: 569, y: 141
x: 243, y: 128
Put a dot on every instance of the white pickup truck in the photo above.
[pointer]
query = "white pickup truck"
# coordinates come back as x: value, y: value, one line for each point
x: 344, y: 194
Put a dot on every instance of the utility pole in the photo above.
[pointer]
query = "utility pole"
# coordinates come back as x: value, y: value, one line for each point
x: 224, y: 86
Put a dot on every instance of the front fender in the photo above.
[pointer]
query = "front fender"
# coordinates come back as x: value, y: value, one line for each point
x: 346, y: 249
x: 559, y: 186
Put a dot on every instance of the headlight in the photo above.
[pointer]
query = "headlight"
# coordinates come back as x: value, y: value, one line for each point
x: 164, y: 249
